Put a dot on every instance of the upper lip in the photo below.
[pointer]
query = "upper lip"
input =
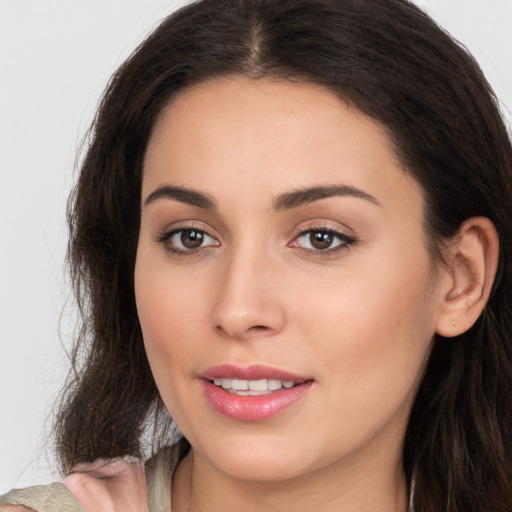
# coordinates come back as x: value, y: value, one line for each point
x: 252, y: 372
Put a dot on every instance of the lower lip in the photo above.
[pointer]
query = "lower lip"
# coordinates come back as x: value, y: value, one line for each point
x: 253, y: 408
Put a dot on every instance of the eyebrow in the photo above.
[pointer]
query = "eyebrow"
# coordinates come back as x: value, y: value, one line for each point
x: 183, y: 195
x: 304, y: 196
x: 286, y: 201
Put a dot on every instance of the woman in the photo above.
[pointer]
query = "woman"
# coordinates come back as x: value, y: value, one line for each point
x: 292, y: 232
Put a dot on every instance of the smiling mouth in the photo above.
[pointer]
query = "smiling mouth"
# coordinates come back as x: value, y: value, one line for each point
x: 242, y: 387
x: 253, y: 393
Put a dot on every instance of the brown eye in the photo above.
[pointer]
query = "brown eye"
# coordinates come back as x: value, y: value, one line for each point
x: 326, y: 241
x: 191, y: 238
x: 186, y: 241
x: 321, y: 239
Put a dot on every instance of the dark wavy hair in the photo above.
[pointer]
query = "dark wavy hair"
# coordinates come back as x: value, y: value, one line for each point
x: 393, y: 63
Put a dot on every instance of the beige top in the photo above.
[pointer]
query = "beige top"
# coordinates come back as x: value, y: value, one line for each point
x: 57, y: 498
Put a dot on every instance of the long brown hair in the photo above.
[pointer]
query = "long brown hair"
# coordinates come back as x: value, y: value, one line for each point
x: 391, y: 61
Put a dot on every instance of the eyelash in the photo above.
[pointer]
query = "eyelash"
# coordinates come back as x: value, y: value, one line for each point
x: 167, y: 236
x: 345, y: 241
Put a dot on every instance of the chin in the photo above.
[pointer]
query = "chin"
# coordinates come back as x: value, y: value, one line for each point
x: 259, y: 467
x: 262, y: 458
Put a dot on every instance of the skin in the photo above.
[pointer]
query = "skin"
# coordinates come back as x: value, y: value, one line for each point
x: 358, y: 320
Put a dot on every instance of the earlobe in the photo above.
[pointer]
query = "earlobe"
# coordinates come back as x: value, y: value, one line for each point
x: 469, y: 277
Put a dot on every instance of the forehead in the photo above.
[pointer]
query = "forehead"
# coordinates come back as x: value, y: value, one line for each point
x: 242, y: 136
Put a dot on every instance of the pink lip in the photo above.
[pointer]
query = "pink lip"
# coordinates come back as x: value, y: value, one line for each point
x: 252, y: 408
x: 253, y: 372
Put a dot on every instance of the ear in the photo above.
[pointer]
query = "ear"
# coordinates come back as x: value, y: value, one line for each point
x: 469, y: 276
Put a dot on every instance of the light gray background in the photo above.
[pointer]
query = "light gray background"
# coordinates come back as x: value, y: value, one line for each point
x: 55, y: 58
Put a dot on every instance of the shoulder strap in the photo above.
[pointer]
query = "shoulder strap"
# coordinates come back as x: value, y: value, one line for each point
x: 159, y: 473
x: 43, y: 498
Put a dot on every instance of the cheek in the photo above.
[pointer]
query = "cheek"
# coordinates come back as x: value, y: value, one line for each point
x: 165, y: 308
x: 374, y: 330
x: 168, y: 297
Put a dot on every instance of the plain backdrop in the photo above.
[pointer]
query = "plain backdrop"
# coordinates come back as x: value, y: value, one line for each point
x: 55, y: 59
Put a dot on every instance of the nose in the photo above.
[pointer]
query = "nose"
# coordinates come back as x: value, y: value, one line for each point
x: 247, y: 303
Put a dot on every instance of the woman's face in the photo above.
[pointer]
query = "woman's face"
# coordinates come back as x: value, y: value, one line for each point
x: 282, y: 244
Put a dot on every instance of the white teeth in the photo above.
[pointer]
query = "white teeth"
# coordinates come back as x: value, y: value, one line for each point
x: 258, y: 385
x: 274, y: 384
x: 240, y: 385
x: 252, y: 387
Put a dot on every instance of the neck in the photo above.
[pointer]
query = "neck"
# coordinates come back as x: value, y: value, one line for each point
x: 350, y: 486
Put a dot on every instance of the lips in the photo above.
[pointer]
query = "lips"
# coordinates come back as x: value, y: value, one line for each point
x: 253, y: 393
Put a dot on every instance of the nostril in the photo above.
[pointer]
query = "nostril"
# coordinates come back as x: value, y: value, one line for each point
x: 255, y: 329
